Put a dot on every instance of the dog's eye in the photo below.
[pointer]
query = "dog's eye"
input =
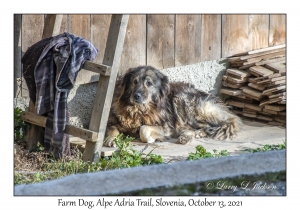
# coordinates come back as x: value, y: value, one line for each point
x: 135, y: 82
x: 149, y: 84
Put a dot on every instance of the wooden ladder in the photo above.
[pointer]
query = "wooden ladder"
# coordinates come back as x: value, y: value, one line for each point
x: 108, y: 70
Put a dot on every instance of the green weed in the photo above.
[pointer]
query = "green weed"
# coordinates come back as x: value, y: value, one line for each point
x: 268, y: 147
x: 202, y: 153
x: 19, y: 125
x: 127, y: 157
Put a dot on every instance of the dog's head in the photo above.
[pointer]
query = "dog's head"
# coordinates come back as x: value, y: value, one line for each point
x: 144, y: 85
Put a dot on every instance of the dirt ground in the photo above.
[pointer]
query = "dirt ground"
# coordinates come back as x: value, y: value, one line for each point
x: 32, y: 162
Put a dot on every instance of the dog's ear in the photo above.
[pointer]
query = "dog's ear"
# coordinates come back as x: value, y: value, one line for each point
x: 127, y: 76
x: 165, y: 87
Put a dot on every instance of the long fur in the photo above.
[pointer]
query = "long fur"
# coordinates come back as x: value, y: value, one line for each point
x: 147, y: 106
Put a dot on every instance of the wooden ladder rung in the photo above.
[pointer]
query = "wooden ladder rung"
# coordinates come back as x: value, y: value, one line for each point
x: 97, y: 68
x: 73, y: 130
x: 80, y: 144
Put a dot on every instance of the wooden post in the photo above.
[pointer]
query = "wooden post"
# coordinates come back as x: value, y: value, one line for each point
x: 106, y: 85
x: 52, y: 25
x: 17, y: 51
x: 36, y: 133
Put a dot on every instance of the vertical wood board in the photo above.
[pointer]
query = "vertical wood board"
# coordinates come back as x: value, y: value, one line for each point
x: 99, y: 32
x: 64, y: 24
x: 234, y: 34
x: 52, y: 24
x: 211, y: 37
x: 134, y: 50
x: 35, y: 133
x: 258, y: 31
x: 32, y: 31
x: 160, y: 41
x: 80, y: 25
x: 187, y: 39
x: 277, y: 30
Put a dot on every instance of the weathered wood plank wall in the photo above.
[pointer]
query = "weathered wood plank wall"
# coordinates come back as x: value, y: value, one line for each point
x: 166, y: 40
x: 211, y: 41
x: 160, y: 41
x: 134, y: 51
x: 235, y: 34
x: 258, y: 31
x: 188, y: 39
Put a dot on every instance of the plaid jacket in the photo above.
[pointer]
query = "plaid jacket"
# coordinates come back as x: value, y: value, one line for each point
x: 55, y: 73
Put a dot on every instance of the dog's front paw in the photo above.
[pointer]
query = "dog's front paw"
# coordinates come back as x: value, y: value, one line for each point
x: 110, y: 142
x: 145, y: 134
x: 185, y: 138
x: 200, y: 133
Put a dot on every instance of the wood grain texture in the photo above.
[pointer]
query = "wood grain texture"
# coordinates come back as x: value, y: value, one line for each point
x: 275, y: 60
x: 99, y: 31
x: 64, y: 27
x: 267, y: 49
x: 253, y: 107
x: 105, y: 90
x: 70, y: 129
x: 160, y: 41
x: 52, y: 25
x: 80, y: 144
x: 234, y: 34
x: 32, y: 31
x: 134, y: 50
x: 80, y: 25
x: 246, y: 57
x: 260, y: 70
x: 265, y: 57
x: 277, y: 34
x: 17, y: 53
x: 277, y: 108
x: 231, y: 92
x: 258, y: 31
x: 211, y: 37
x: 276, y: 67
x: 252, y: 92
x: 235, y: 103
x: 187, y: 39
x: 97, y: 68
x: 35, y: 133
x: 234, y: 80
x: 257, y: 87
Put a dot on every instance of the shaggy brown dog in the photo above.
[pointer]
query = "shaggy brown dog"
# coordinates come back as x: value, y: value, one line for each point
x: 147, y: 106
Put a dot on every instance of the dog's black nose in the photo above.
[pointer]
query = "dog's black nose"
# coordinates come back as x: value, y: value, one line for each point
x: 137, y: 96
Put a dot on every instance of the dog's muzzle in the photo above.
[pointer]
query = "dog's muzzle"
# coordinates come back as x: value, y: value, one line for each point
x: 137, y: 97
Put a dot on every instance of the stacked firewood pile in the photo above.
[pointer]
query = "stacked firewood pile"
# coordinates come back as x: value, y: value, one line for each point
x: 256, y: 84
